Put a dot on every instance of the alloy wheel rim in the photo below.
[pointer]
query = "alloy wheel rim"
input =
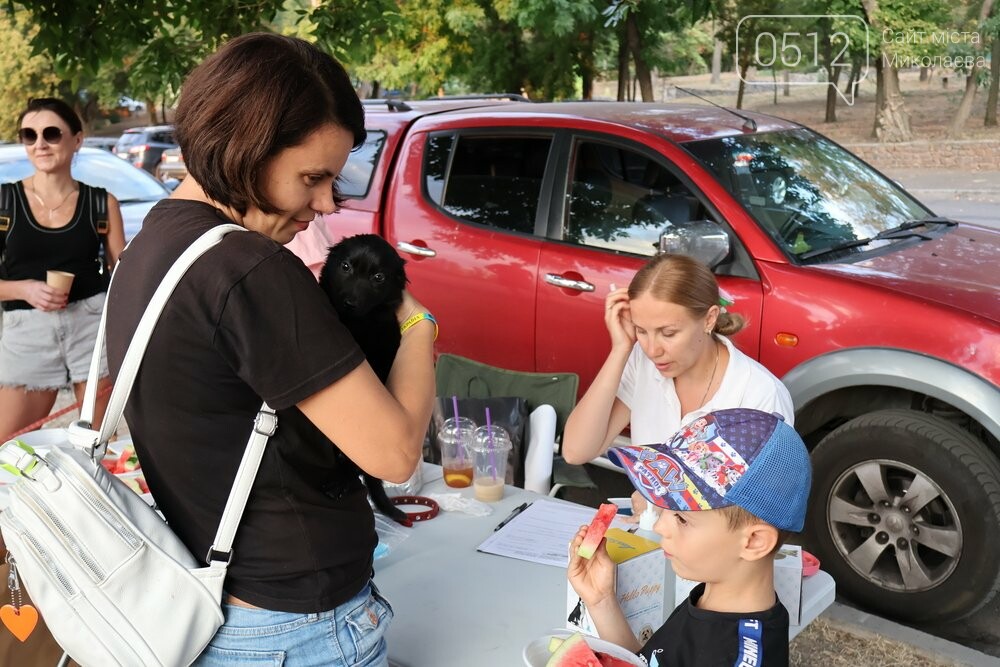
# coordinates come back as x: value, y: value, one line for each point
x: 894, y: 525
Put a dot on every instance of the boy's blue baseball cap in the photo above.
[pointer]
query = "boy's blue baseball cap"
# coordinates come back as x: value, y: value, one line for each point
x: 741, y: 457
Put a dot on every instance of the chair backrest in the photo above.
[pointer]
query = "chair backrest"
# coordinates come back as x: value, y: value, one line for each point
x: 465, y: 378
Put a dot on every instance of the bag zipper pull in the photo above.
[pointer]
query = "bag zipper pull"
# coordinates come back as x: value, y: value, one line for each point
x: 13, y: 583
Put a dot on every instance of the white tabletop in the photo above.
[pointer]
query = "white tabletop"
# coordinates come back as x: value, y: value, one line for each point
x: 455, y: 606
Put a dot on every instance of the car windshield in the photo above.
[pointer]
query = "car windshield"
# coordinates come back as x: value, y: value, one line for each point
x: 99, y: 169
x: 813, y: 197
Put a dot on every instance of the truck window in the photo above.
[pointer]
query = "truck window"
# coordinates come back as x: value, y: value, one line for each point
x: 356, y: 176
x: 492, y: 180
x: 621, y: 200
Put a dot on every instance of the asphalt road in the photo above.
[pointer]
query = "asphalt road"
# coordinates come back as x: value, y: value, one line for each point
x: 965, y: 208
x: 969, y: 196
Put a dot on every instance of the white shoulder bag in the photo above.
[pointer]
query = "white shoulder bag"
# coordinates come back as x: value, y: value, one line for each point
x: 115, y: 586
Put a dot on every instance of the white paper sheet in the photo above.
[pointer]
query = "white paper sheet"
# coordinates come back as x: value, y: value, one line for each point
x: 542, y: 533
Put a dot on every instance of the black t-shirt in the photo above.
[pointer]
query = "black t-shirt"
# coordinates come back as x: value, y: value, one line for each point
x: 247, y: 323
x: 694, y: 637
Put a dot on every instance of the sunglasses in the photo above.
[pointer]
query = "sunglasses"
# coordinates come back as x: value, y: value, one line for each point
x: 51, y: 135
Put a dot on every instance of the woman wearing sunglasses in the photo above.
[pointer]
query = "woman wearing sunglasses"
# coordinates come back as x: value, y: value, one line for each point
x: 51, y: 222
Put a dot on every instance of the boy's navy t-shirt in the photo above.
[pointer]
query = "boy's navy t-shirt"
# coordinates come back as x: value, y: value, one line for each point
x: 694, y: 637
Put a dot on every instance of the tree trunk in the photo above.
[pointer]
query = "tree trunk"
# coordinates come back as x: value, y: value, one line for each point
x: 623, y: 71
x: 788, y: 88
x: 965, y: 106
x: 586, y: 64
x: 855, y: 72
x: 831, y: 98
x: 892, y: 122
x: 744, y: 66
x: 642, y: 71
x: 717, y: 62
x: 832, y: 80
x: 971, y: 83
x: 376, y: 89
x: 924, y: 74
x: 991, y: 99
x: 774, y: 85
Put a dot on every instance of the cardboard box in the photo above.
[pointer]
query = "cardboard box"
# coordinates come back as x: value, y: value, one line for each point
x: 640, y: 575
x: 787, y: 582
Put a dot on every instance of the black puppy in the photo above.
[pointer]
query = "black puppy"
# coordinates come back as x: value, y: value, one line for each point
x: 364, y: 278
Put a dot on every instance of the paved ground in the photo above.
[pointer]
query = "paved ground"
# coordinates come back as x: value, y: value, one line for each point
x: 967, y: 196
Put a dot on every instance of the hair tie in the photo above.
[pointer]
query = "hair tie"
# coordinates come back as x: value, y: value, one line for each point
x: 725, y: 300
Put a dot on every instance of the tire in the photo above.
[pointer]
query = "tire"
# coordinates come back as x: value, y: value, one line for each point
x: 947, y: 535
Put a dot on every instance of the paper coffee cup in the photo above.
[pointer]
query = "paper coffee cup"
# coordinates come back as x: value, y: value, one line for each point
x: 60, y: 280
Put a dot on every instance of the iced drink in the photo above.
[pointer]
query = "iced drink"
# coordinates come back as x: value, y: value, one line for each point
x: 455, y: 442
x: 489, y: 490
x: 490, y: 451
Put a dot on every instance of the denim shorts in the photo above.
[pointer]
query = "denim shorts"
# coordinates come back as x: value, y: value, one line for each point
x: 42, y: 350
x: 351, y: 635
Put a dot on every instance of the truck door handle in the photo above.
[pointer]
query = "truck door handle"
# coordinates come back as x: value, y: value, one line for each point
x: 416, y: 249
x: 568, y: 283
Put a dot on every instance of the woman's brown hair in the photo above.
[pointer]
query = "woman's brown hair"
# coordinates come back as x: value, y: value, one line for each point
x: 687, y: 282
x: 256, y: 96
x: 56, y: 106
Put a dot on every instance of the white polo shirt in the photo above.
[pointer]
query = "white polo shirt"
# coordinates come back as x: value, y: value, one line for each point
x: 656, y: 410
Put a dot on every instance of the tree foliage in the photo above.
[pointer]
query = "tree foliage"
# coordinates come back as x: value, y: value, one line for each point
x: 26, y: 75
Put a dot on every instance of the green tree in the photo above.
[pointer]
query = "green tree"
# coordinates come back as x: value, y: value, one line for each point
x: 975, y: 75
x: 25, y: 75
x: 991, y: 31
x: 83, y: 35
x: 898, y: 19
x: 641, y: 26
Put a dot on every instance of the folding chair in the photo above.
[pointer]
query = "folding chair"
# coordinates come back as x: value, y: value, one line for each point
x: 550, y: 398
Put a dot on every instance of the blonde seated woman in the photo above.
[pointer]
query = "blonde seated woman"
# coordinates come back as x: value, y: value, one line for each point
x: 671, y: 362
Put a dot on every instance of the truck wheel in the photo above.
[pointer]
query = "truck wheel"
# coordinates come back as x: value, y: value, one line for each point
x: 905, y: 513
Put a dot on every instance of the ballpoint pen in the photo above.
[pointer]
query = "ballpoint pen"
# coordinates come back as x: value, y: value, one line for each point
x: 510, y: 517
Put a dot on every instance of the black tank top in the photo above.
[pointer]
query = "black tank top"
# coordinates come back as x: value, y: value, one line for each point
x: 29, y: 250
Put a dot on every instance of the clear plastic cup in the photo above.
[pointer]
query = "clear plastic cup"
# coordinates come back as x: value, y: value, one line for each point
x: 454, y: 439
x: 490, y: 451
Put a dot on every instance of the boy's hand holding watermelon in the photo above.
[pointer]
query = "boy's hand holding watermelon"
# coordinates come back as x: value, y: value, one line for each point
x: 593, y: 578
x: 591, y: 573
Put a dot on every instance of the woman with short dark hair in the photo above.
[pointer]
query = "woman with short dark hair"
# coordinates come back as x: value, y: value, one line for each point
x: 266, y: 125
x: 50, y: 222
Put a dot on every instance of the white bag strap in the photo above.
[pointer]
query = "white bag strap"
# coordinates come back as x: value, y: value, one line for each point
x: 137, y: 347
x: 82, y: 434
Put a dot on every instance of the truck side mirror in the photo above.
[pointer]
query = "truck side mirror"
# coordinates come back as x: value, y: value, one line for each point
x: 704, y: 240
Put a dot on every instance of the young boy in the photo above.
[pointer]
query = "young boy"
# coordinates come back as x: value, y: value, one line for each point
x: 731, y: 491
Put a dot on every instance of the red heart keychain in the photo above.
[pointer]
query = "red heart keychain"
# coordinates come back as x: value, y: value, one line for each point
x: 21, y: 622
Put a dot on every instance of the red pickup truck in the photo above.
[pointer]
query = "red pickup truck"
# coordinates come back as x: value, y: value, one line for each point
x: 882, y: 319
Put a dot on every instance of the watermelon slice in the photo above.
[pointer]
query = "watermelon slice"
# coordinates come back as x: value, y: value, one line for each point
x: 554, y: 643
x: 612, y: 661
x: 574, y: 652
x: 595, y: 533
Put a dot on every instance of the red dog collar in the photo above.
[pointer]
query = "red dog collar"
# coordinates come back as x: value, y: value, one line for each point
x: 417, y: 500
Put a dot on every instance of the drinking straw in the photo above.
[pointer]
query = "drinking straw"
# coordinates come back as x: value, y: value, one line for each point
x: 458, y: 431
x: 489, y: 431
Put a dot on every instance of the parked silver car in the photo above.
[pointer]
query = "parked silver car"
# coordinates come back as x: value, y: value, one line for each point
x: 135, y: 189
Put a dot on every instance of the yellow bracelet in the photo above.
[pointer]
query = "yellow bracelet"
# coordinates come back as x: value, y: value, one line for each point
x: 413, y: 319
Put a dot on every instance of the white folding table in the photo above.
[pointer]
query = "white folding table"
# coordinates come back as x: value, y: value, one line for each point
x: 455, y: 606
